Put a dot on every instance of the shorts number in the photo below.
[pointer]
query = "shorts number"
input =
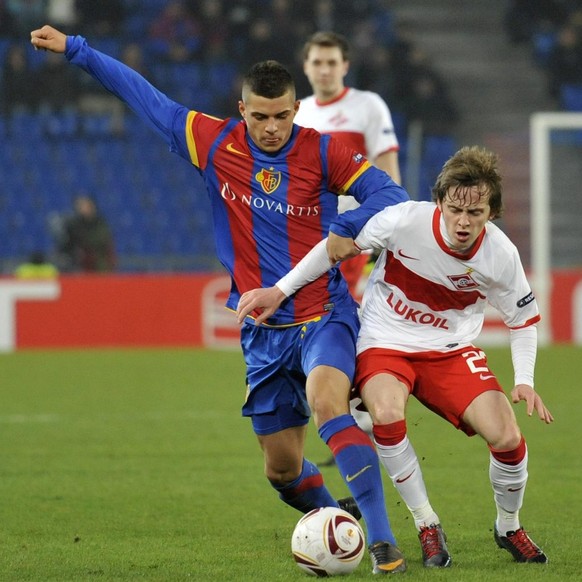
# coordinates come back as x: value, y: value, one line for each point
x: 472, y: 358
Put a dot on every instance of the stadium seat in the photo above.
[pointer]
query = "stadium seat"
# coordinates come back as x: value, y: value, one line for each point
x: 64, y: 124
x: 571, y: 97
x: 543, y: 44
x: 22, y: 123
x: 108, y: 45
x: 96, y: 125
x: 35, y: 58
x: 4, y: 46
x: 221, y: 76
x: 437, y: 149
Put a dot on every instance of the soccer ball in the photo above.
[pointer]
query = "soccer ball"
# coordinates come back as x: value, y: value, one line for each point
x: 327, y: 542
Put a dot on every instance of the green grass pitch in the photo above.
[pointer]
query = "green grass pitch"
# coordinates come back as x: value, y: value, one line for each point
x: 136, y: 465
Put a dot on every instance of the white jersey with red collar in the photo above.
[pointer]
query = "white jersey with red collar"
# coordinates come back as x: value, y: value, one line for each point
x: 361, y: 119
x: 422, y: 296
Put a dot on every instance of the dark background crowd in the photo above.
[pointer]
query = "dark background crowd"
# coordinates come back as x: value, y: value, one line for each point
x: 196, y: 51
x: 553, y: 31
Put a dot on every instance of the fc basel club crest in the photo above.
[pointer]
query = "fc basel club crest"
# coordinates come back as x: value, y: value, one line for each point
x: 269, y: 180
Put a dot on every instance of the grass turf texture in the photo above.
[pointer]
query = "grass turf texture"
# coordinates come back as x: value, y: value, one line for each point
x: 136, y: 465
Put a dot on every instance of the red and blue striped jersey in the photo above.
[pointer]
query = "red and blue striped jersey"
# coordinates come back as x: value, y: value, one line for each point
x: 268, y: 209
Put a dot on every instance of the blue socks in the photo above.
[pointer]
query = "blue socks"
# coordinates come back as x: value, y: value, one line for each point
x: 308, y: 491
x: 357, y: 461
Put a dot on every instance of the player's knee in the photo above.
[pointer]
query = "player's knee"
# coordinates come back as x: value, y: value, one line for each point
x: 280, y: 476
x: 326, y: 405
x: 386, y: 412
x: 507, y: 439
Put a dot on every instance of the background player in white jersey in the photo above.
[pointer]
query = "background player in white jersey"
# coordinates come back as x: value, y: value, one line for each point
x: 362, y: 120
x: 423, y: 307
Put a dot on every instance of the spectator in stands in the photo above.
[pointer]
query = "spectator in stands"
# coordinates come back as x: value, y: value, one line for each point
x: 7, y: 24
x: 524, y: 18
x: 292, y: 15
x: 324, y: 15
x: 406, y: 58
x: 132, y: 55
x: 265, y: 40
x: 430, y: 103
x: 374, y: 73
x: 86, y: 242
x: 25, y: 13
x: 102, y: 18
x: 60, y: 85
x: 175, y: 35
x: 62, y: 12
x: 36, y: 267
x: 215, y: 31
x: 565, y: 61
x: 17, y: 91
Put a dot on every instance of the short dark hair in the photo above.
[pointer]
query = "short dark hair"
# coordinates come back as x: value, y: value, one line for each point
x: 472, y: 166
x: 268, y: 79
x: 327, y: 38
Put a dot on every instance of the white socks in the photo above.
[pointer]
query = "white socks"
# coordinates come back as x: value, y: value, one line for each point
x: 401, y: 463
x: 508, y: 482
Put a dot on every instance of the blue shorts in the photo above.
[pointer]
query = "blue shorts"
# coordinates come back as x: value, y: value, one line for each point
x: 278, y: 361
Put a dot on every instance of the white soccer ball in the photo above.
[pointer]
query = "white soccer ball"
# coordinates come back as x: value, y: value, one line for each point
x: 328, y: 542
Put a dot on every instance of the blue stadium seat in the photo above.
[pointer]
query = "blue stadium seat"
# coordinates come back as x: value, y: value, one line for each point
x: 221, y: 76
x: 35, y: 58
x: 437, y: 149
x: 543, y: 43
x: 4, y: 46
x: 25, y: 125
x: 65, y: 124
x: 571, y: 97
x: 97, y: 125
x: 109, y: 45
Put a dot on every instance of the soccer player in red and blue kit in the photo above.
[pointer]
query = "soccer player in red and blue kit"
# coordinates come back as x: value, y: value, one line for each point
x: 273, y: 187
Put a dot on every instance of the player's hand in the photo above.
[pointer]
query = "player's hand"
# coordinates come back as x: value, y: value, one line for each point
x: 49, y: 38
x: 263, y: 301
x: 340, y: 248
x: 533, y: 402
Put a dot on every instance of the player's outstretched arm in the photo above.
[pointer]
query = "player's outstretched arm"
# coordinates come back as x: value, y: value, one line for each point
x: 49, y: 38
x: 163, y: 115
x: 533, y: 402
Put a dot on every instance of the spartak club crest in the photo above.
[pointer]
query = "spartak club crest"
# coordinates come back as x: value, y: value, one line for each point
x: 269, y: 180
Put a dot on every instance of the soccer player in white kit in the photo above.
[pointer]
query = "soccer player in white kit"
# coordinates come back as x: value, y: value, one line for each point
x: 362, y: 120
x: 440, y: 263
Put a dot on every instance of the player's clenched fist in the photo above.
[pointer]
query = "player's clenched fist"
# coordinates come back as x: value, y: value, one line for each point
x: 49, y: 38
